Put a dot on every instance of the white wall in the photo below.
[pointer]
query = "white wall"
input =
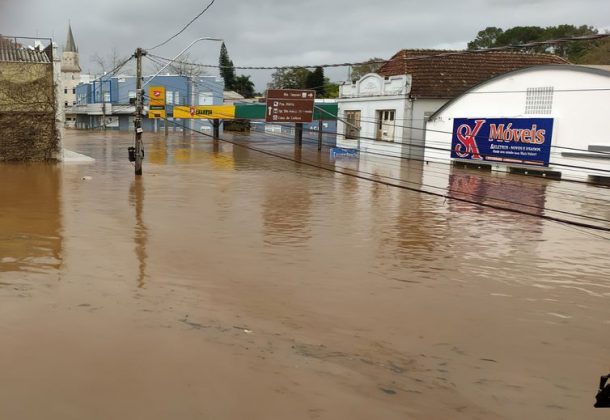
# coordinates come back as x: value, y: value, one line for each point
x: 580, y: 112
x: 368, y: 95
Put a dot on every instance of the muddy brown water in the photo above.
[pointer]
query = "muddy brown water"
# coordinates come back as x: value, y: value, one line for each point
x: 227, y: 284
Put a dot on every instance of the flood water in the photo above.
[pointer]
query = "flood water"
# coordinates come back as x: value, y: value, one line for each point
x: 230, y: 284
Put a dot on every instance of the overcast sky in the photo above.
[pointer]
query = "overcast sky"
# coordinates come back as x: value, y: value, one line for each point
x: 282, y: 32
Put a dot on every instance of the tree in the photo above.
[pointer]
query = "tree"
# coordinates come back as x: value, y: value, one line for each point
x: 572, y: 51
x: 372, y: 65
x: 331, y: 90
x: 599, y: 53
x: 290, y: 78
x: 244, y: 86
x: 486, y: 38
x: 186, y: 67
x: 315, y: 81
x: 108, y: 62
x: 227, y: 69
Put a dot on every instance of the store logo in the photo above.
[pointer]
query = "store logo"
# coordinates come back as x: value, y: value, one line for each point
x: 467, y: 137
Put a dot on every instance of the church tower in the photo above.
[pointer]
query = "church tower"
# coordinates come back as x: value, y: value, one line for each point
x: 70, y: 72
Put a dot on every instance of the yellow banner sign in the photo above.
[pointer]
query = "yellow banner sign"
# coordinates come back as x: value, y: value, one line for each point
x: 221, y: 112
x: 156, y: 95
x: 157, y: 113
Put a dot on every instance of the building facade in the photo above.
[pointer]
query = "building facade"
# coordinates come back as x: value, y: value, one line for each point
x: 571, y: 100
x: 108, y: 102
x: 386, y: 112
x: 70, y: 77
x: 30, y: 114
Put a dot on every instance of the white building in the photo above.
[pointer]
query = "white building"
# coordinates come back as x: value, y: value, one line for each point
x: 575, y: 98
x: 70, y: 77
x: 385, y: 113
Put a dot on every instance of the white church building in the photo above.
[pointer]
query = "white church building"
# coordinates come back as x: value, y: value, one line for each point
x: 70, y: 77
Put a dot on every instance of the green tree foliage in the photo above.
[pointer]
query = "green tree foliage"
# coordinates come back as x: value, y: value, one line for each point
x: 290, y: 78
x: 302, y: 78
x: 573, y: 51
x: 371, y: 65
x: 331, y: 90
x: 227, y: 69
x: 244, y: 86
x: 486, y: 38
x: 315, y: 81
x: 599, y: 53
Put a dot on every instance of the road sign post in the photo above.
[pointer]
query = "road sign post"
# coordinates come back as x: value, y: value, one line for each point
x: 291, y: 106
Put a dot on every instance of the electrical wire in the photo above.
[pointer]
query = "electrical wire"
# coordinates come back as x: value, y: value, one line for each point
x: 184, y: 28
x: 446, y: 196
x: 413, y: 58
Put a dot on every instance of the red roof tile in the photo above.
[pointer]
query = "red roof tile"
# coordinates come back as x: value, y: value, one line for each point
x: 446, y: 74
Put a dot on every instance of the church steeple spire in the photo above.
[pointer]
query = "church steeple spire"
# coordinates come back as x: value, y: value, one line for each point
x: 70, y: 44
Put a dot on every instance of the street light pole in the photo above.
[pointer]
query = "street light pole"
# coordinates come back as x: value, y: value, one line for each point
x: 138, y: 150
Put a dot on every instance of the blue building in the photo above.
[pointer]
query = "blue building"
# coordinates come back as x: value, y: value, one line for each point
x: 109, y: 101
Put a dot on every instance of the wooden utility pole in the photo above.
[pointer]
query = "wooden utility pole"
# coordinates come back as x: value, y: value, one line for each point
x: 139, y: 147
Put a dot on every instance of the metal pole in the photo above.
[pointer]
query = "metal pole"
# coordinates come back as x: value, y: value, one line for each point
x: 138, y: 118
x: 216, y: 125
x: 320, y: 127
x: 298, y: 133
x: 103, y: 106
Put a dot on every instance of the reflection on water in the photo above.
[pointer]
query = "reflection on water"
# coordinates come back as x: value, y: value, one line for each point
x: 485, y: 189
x: 30, y: 217
x: 243, y: 260
x: 287, y: 213
x: 136, y: 199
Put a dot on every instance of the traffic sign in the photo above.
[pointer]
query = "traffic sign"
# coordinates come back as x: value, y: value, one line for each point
x: 290, y: 105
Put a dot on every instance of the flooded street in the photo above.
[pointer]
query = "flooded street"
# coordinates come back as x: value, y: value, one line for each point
x: 231, y: 284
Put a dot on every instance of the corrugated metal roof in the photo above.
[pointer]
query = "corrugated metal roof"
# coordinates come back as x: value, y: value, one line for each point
x: 10, y: 53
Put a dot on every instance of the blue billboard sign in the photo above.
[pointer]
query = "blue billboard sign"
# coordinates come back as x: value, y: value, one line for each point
x: 505, y: 140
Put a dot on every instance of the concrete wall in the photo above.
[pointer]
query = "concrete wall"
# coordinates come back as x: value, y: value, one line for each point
x: 28, y: 112
x: 579, y: 109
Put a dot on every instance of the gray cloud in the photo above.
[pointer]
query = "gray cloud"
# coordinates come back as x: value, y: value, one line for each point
x: 280, y: 32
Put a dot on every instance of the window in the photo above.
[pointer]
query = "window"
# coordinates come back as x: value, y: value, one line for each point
x: 66, y: 104
x: 74, y: 91
x: 106, y: 96
x: 206, y: 98
x: 385, y: 124
x: 352, y: 126
x: 169, y: 97
x: 177, y: 98
x: 539, y: 100
x: 65, y: 91
x: 131, y: 94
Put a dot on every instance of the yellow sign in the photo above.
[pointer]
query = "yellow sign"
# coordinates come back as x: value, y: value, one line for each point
x: 157, y: 113
x: 156, y: 95
x: 221, y: 112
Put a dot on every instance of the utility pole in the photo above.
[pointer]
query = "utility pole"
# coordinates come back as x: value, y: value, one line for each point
x: 103, y: 105
x: 139, y: 147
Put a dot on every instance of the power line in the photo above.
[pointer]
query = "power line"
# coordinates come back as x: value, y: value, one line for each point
x: 187, y: 25
x: 446, y: 196
x: 568, y: 191
x: 414, y: 58
x: 471, y: 194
